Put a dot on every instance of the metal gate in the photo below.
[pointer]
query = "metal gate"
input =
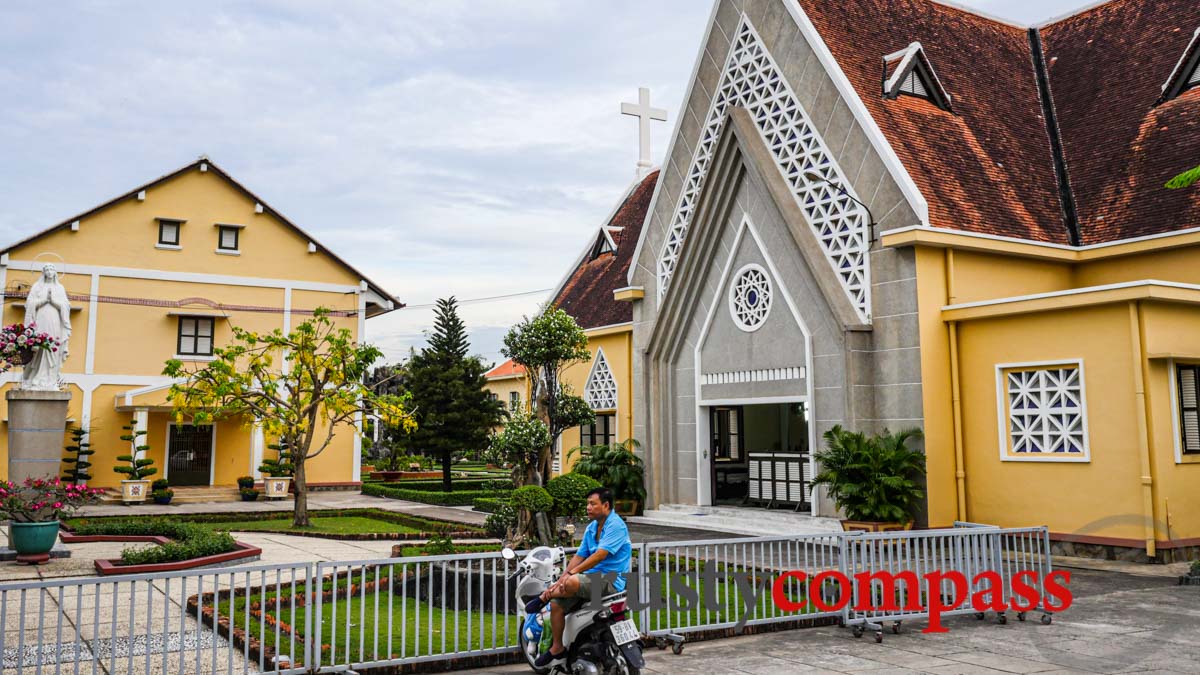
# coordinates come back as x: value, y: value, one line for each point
x: 189, y: 454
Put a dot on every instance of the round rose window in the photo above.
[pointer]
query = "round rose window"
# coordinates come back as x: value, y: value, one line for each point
x: 750, y: 298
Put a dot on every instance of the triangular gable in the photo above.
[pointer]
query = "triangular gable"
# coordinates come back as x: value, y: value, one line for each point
x: 376, y: 295
x: 908, y: 71
x: 1186, y: 73
x: 600, y: 392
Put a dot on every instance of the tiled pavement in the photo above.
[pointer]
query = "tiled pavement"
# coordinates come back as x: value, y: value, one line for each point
x: 1118, y: 624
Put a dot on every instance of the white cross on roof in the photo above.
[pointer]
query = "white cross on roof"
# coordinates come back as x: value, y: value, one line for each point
x: 645, y: 114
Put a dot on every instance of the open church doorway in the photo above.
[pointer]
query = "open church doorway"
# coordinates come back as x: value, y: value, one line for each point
x: 760, y: 455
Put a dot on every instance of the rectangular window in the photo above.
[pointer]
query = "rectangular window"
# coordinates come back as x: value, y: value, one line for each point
x: 1188, y: 380
x: 601, y: 432
x: 227, y: 238
x: 514, y: 399
x: 168, y: 232
x: 1044, y: 413
x: 195, y: 336
x: 728, y: 443
x: 493, y: 396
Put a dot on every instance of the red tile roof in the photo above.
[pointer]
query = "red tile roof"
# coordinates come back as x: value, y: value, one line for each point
x: 587, y: 294
x: 506, y: 369
x: 988, y: 167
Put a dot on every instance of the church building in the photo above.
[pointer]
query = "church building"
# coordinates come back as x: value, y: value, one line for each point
x: 165, y: 271
x: 886, y: 214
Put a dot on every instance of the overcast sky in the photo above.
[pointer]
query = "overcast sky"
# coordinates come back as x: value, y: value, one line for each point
x: 442, y: 147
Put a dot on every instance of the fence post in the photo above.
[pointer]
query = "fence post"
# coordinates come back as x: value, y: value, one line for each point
x: 846, y: 566
x: 312, y: 643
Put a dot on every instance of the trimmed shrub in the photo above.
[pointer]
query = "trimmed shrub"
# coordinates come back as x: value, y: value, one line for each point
x: 456, y: 498
x: 190, y: 540
x: 570, y: 494
x: 500, y: 523
x: 532, y: 498
x: 489, y: 504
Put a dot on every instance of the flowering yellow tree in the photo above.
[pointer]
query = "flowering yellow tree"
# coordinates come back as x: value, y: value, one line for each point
x: 300, y: 387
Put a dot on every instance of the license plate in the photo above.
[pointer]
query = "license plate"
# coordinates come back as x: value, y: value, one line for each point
x: 624, y: 632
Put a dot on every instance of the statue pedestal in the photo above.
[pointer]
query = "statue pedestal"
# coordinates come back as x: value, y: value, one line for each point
x: 37, y: 426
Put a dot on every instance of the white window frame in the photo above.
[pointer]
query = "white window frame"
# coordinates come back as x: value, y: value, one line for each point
x: 1176, y: 430
x: 1002, y: 415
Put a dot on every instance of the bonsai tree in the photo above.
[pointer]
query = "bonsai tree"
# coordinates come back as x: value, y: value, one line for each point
x: 546, y: 345
x: 77, y: 460
x: 530, y: 502
x: 139, y: 467
x: 616, y: 467
x: 280, y: 466
x: 872, y: 478
x: 303, y: 388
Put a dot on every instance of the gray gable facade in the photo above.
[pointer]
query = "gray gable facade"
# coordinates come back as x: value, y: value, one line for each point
x: 763, y: 285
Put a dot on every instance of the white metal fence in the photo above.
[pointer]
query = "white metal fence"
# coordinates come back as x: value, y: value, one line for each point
x: 339, y: 616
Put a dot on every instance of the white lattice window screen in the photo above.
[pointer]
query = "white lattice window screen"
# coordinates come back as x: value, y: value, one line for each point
x: 750, y: 298
x: 601, y: 389
x: 751, y: 80
x: 1046, y: 413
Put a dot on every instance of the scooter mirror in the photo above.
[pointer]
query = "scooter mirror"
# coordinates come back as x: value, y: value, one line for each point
x: 508, y: 553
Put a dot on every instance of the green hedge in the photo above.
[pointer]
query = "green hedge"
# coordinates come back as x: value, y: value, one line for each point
x: 422, y: 524
x: 456, y: 484
x: 190, y: 540
x: 489, y: 504
x: 456, y: 498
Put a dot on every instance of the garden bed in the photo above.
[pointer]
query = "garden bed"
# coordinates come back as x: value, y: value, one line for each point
x: 344, y: 524
x: 455, y: 498
x: 240, y: 553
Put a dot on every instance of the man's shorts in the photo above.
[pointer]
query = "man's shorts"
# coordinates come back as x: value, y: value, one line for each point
x: 584, y: 594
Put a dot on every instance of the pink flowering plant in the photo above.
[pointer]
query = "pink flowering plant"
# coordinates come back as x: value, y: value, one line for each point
x: 19, y: 338
x: 40, y: 500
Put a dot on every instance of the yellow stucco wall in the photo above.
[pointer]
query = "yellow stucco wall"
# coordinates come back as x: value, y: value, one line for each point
x: 115, y: 249
x: 1103, y: 498
x: 617, y: 346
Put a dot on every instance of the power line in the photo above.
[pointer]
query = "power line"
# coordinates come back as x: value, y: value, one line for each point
x: 473, y: 301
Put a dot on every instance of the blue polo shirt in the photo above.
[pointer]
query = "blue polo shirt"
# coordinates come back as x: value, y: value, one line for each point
x: 614, y: 538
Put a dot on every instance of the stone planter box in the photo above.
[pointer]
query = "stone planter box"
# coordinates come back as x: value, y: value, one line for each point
x: 874, y: 526
x: 276, y: 488
x: 134, y: 491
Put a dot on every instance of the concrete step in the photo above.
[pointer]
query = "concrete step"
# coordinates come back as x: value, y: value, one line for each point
x: 737, y: 520
x: 186, y: 495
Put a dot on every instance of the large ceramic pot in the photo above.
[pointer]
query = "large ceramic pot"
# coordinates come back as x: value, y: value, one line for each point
x: 134, y: 491
x: 33, y: 541
x: 276, y: 488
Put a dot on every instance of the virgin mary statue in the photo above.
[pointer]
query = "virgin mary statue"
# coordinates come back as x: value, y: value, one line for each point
x: 48, y: 308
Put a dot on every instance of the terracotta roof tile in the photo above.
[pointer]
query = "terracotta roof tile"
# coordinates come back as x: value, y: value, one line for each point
x: 506, y: 369
x: 588, y: 293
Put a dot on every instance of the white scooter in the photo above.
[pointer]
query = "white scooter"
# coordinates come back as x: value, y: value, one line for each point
x: 598, y: 642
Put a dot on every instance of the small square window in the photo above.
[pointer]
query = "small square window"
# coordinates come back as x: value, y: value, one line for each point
x: 168, y: 232
x: 227, y: 239
x: 514, y: 399
x: 195, y: 336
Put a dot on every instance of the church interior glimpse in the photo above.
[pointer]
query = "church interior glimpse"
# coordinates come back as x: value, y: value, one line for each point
x: 758, y: 452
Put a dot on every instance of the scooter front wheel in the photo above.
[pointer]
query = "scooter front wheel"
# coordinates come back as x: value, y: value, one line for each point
x: 530, y: 652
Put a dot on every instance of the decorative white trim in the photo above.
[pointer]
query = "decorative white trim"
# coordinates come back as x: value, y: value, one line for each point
x: 74, y: 225
x: 190, y: 277
x: 221, y: 251
x: 199, y: 358
x: 1074, y: 291
x: 89, y: 357
x: 168, y: 247
x: 600, y: 389
x: 751, y: 79
x: 257, y: 443
x: 750, y: 297
x: 760, y: 375
x: 141, y: 195
x: 1045, y: 244
x: 1043, y: 421
x: 703, y: 461
x: 356, y: 453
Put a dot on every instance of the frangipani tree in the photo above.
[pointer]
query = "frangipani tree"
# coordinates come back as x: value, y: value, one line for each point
x: 301, y: 387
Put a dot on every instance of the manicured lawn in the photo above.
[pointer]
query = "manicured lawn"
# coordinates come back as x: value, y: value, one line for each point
x: 324, y: 525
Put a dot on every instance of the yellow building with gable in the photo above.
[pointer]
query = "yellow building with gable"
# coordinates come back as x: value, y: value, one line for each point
x: 164, y: 271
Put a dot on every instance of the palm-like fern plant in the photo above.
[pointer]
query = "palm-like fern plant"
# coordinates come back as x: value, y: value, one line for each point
x: 872, y: 478
x: 616, y: 467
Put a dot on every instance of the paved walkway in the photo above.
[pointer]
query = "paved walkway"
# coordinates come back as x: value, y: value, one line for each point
x: 1119, y: 624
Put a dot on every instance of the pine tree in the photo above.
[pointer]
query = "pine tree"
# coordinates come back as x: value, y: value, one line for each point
x: 453, y: 409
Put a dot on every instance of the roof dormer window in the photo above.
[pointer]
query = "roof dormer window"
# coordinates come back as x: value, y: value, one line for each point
x: 909, y: 73
x: 1186, y: 73
x: 604, y: 244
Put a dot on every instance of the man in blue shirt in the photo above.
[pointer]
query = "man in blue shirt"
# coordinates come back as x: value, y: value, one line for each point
x: 605, y: 548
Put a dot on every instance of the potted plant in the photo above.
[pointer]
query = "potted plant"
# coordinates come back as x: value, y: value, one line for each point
x: 160, y: 492
x: 1192, y: 578
x: 277, y: 473
x: 618, y: 468
x: 35, y: 509
x: 245, y: 482
x: 875, y: 481
x: 248, y: 494
x: 134, y: 489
